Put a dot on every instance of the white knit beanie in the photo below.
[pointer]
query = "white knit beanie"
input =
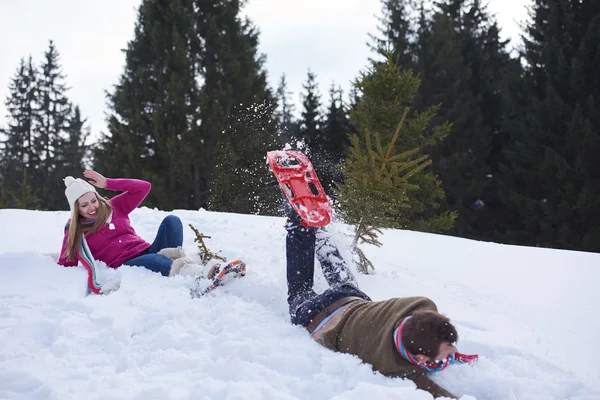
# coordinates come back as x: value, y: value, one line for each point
x: 76, y: 188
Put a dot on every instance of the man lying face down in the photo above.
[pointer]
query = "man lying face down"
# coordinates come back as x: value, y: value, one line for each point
x: 399, y: 337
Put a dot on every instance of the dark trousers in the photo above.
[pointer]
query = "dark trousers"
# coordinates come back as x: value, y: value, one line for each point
x: 301, y: 245
x: 170, y: 234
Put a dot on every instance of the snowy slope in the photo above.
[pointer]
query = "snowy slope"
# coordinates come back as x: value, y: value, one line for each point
x: 531, y: 314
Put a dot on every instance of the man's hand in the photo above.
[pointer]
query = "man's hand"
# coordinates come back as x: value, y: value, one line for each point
x: 423, y: 382
x: 95, y: 178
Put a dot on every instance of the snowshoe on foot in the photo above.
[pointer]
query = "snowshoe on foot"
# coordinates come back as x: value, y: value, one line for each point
x: 301, y: 186
x: 220, y: 275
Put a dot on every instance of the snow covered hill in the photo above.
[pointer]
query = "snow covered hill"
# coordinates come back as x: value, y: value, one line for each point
x: 531, y: 314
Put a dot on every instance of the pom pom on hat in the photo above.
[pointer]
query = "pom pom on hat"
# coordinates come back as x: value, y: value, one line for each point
x: 76, y: 188
x: 69, y: 180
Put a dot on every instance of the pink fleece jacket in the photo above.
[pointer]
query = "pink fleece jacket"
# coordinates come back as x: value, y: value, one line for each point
x: 116, y: 242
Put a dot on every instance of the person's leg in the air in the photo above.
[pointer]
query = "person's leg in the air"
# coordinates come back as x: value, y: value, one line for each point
x: 335, y: 270
x: 304, y: 303
x: 300, y: 258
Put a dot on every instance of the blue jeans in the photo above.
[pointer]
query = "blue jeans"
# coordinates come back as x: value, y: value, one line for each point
x: 170, y: 234
x: 301, y: 245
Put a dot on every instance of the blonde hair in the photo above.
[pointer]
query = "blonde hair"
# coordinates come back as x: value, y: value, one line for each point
x: 76, y: 229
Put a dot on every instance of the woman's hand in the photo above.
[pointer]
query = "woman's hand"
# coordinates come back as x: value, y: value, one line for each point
x: 95, y: 178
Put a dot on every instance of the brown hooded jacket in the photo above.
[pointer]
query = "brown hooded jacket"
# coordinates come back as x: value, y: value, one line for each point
x: 366, y: 329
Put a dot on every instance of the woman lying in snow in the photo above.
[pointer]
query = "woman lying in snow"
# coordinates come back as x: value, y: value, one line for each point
x: 103, y: 226
x: 400, y: 337
x: 100, y: 229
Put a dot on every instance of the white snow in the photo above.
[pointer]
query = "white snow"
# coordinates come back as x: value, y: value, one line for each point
x: 530, y: 313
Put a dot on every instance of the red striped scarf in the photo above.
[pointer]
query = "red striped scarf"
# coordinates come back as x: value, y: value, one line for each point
x: 85, y: 257
x: 438, y: 365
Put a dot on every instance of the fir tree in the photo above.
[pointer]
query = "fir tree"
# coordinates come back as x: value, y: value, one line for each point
x: 17, y: 139
x: 54, y: 107
x: 53, y: 114
x: 386, y: 90
x: 4, y: 201
x: 285, y: 112
x: 466, y: 70
x: 465, y: 67
x: 398, y: 31
x: 552, y: 167
x: 153, y: 124
x: 25, y: 197
x: 192, y: 107
x: 241, y: 176
x: 336, y: 125
x: 376, y: 187
x: 313, y: 135
x: 43, y: 135
x: 353, y: 101
x: 239, y: 106
x: 335, y: 145
x: 311, y: 118
x: 73, y: 150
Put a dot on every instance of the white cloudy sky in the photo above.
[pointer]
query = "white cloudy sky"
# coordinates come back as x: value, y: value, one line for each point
x: 327, y: 36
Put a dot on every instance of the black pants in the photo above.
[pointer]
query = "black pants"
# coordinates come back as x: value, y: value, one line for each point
x: 301, y: 245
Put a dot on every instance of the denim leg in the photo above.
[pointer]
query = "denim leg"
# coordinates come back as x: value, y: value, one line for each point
x: 304, y: 303
x: 153, y: 262
x: 312, y: 306
x: 170, y: 234
x: 334, y: 267
x: 300, y: 257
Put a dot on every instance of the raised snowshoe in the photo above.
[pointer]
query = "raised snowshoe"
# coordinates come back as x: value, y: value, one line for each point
x: 300, y: 184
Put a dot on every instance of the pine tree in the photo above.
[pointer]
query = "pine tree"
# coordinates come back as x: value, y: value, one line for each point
x: 192, y: 108
x: 554, y: 175
x: 241, y: 175
x: 336, y: 125
x: 353, y: 101
x: 386, y: 90
x: 335, y: 145
x: 398, y: 32
x: 239, y: 106
x: 42, y: 135
x: 4, y: 200
x: 54, y: 107
x: 73, y: 150
x: 17, y: 146
x: 53, y: 114
x: 377, y: 187
x: 311, y: 117
x: 285, y: 112
x: 465, y: 67
x: 154, y: 131
x: 25, y: 197
x: 312, y: 134
x: 466, y: 70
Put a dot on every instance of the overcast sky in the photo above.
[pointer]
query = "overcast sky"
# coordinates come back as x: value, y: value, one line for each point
x: 327, y: 36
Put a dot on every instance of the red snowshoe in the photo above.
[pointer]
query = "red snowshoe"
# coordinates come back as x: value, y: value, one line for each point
x: 299, y: 182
